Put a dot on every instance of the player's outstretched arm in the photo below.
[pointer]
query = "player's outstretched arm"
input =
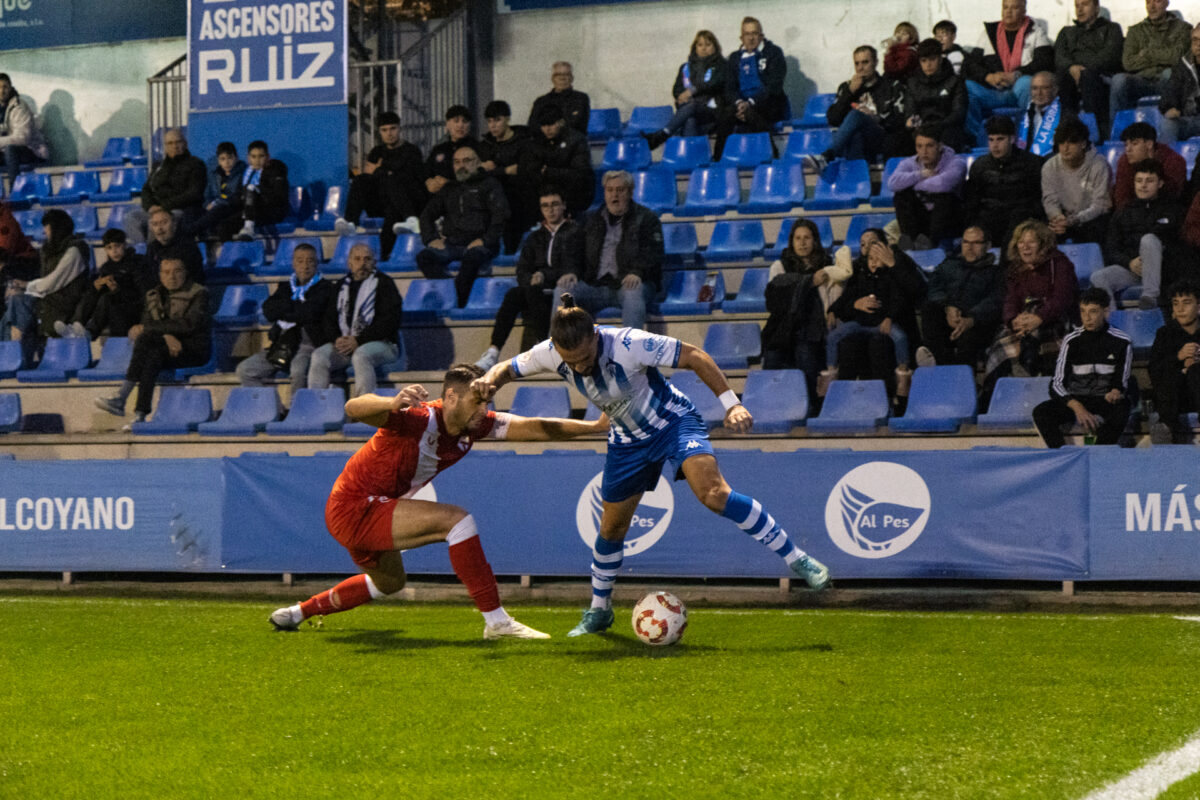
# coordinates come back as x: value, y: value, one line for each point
x: 492, y: 380
x: 737, y: 418
x: 542, y: 429
x: 374, y: 409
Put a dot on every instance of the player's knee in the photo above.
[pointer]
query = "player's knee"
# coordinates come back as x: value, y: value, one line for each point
x: 714, y: 497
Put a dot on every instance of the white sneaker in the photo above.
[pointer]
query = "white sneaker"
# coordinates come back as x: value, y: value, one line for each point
x: 488, y: 359
x: 509, y: 629
x: 138, y: 416
x: 78, y: 330
x: 283, y: 620
x: 343, y: 227
x: 60, y: 328
x: 925, y: 357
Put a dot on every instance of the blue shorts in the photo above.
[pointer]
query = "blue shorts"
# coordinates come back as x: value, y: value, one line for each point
x: 631, y: 469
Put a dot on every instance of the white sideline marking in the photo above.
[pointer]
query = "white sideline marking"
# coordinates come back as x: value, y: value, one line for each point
x: 1189, y: 619
x: 1156, y: 775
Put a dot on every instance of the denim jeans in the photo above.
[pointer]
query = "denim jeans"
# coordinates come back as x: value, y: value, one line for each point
x: 326, y: 360
x: 594, y: 298
x: 847, y: 329
x: 859, y: 136
x: 983, y: 99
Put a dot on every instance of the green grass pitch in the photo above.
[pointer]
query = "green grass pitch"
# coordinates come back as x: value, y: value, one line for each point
x: 195, y: 698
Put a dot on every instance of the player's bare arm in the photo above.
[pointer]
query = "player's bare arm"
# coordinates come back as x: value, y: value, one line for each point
x: 373, y: 409
x: 543, y: 429
x: 492, y: 380
x: 737, y: 418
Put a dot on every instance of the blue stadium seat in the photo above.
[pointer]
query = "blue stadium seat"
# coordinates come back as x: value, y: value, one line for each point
x: 1012, y: 403
x: 816, y: 109
x: 733, y: 344
x: 778, y: 186
x: 886, y: 197
x: 683, y: 295
x: 123, y: 185
x: 241, y: 257
x: 116, y: 217
x: 314, y: 412
x: 751, y: 294
x: 851, y: 407
x: 685, y: 153
x: 680, y: 245
x: 180, y: 410
x: 627, y: 154
x: 74, y: 187
x: 711, y: 190
x: 247, y: 411
x: 31, y: 223
x: 1126, y: 117
x: 843, y: 184
x: 85, y: 219
x: 735, y: 240
x: 647, y: 119
x: 113, y: 363
x: 811, y: 142
x: 859, y: 223
x: 281, y: 263
x: 30, y: 187
x: 1087, y: 258
x: 706, y: 403
x: 1188, y: 150
x: 1089, y: 121
x: 927, y: 260
x: 1141, y: 326
x: 541, y: 401
x: 241, y: 303
x: 333, y: 207
x: 341, y: 253
x: 133, y: 151
x: 404, y: 254
x: 604, y: 123
x: 10, y: 412
x: 301, y: 204
x: 778, y: 399
x: 61, y: 360
x: 655, y: 188
x: 484, y: 299
x: 10, y: 359
x: 111, y: 157
x: 428, y: 299
x: 1111, y: 152
x: 824, y: 228
x: 361, y: 430
x: 747, y: 150
x: 942, y: 399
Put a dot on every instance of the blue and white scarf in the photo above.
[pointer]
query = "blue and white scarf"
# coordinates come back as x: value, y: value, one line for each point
x: 1043, y: 139
x: 364, y: 305
x: 298, y: 296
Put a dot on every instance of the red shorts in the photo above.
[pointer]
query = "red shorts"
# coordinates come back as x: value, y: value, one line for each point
x: 362, y: 525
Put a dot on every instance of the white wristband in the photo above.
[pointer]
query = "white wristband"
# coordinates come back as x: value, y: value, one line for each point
x: 729, y: 399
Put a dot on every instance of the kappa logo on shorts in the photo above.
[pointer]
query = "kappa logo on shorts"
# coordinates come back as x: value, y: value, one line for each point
x: 877, y: 510
x: 650, y: 519
x: 692, y: 445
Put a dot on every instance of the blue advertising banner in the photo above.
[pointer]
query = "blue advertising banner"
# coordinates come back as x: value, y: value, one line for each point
x: 264, y: 53
x: 27, y: 24
x: 535, y: 5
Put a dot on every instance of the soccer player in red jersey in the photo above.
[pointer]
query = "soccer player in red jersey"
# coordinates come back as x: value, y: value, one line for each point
x: 371, y: 511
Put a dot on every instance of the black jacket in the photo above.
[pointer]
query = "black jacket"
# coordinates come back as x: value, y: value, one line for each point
x: 709, y: 78
x: 978, y: 64
x: 1091, y: 364
x: 182, y: 247
x: 977, y: 290
x: 565, y: 249
x: 887, y: 94
x: 576, y: 107
x: 388, y: 307
x: 639, y: 253
x: 1009, y: 188
x: 508, y: 152
x: 1183, y: 90
x: 308, y: 313
x: 176, y: 183
x: 900, y: 290
x: 565, y: 162
x: 1160, y: 216
x: 940, y: 98
x: 1096, y: 46
x: 772, y: 71
x: 1165, y: 366
x: 272, y: 201
x: 133, y: 277
x: 472, y: 209
x: 441, y: 158
x: 401, y: 179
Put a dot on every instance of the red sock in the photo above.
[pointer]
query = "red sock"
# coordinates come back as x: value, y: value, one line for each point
x: 472, y: 568
x: 343, y: 597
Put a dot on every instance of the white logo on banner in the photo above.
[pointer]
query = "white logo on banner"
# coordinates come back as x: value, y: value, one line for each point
x: 650, y: 519
x: 877, y: 510
x: 14, y: 5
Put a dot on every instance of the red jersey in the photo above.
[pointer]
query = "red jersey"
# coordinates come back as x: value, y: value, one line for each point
x: 409, y: 450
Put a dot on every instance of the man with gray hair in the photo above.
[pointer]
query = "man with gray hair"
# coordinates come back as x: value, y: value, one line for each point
x: 177, y: 185
x: 1040, y: 120
x: 623, y: 254
x: 576, y: 106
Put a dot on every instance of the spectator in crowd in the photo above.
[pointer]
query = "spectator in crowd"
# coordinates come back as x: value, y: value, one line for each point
x: 296, y: 311
x: 224, y: 190
x: 35, y: 307
x: 554, y: 249
x: 757, y: 100
x: 622, y: 255
x: 575, y: 105
x: 176, y: 185
x: 1141, y: 143
x: 946, y: 32
x: 962, y: 305
x: 1075, y: 181
x: 1143, y: 238
x: 439, y: 166
x: 1042, y: 117
x: 936, y: 96
x: 502, y: 149
x: 868, y: 112
x: 700, y: 91
x: 263, y: 198
x: 1091, y: 378
x: 1004, y: 187
x: 472, y: 212
x: 175, y: 332
x: 1087, y: 55
x: 1174, y: 356
x: 361, y: 326
x: 928, y: 192
x: 18, y: 258
x: 1017, y: 47
x: 167, y: 240
x: 1180, y: 103
x: 115, y: 298
x: 1152, y: 50
x: 21, y: 141
x: 1039, y: 302
x: 390, y: 184
x: 900, y: 52
x: 561, y: 156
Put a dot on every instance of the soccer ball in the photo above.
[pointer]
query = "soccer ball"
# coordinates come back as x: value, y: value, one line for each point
x: 659, y: 618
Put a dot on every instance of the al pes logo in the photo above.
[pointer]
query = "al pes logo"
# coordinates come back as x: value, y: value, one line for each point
x: 877, y: 510
x: 650, y: 519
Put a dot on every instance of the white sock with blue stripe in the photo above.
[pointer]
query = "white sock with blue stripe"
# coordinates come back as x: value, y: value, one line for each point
x: 606, y: 562
x: 752, y: 518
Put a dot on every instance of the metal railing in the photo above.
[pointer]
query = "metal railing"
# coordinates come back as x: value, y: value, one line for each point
x: 167, y: 101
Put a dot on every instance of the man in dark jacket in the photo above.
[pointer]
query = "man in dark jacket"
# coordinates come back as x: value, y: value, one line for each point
x: 473, y: 213
x: 296, y: 311
x: 361, y: 326
x: 1091, y: 378
x: 1180, y: 103
x: 263, y: 198
x: 559, y: 155
x: 962, y: 304
x: 1149, y: 56
x: 936, y: 95
x: 167, y: 240
x: 575, y: 105
x: 391, y: 184
x: 115, y: 297
x: 622, y: 255
x: 177, y: 184
x: 756, y: 98
x: 1004, y: 187
x: 1087, y: 54
x: 439, y: 166
x: 501, y: 151
x: 1174, y: 373
x: 869, y: 114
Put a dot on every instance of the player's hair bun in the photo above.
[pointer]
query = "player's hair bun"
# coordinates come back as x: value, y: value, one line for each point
x: 568, y: 300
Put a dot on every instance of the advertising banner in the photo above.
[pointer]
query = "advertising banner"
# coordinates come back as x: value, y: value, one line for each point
x: 28, y: 24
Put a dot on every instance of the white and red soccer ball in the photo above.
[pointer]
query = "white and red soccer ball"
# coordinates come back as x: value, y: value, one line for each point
x: 659, y: 618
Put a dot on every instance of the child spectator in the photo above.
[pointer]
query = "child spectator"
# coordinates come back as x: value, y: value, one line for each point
x: 114, y: 299
x: 223, y: 193
x: 900, y: 52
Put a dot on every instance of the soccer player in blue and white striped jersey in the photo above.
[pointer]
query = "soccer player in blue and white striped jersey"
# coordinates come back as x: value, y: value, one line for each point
x: 651, y: 422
